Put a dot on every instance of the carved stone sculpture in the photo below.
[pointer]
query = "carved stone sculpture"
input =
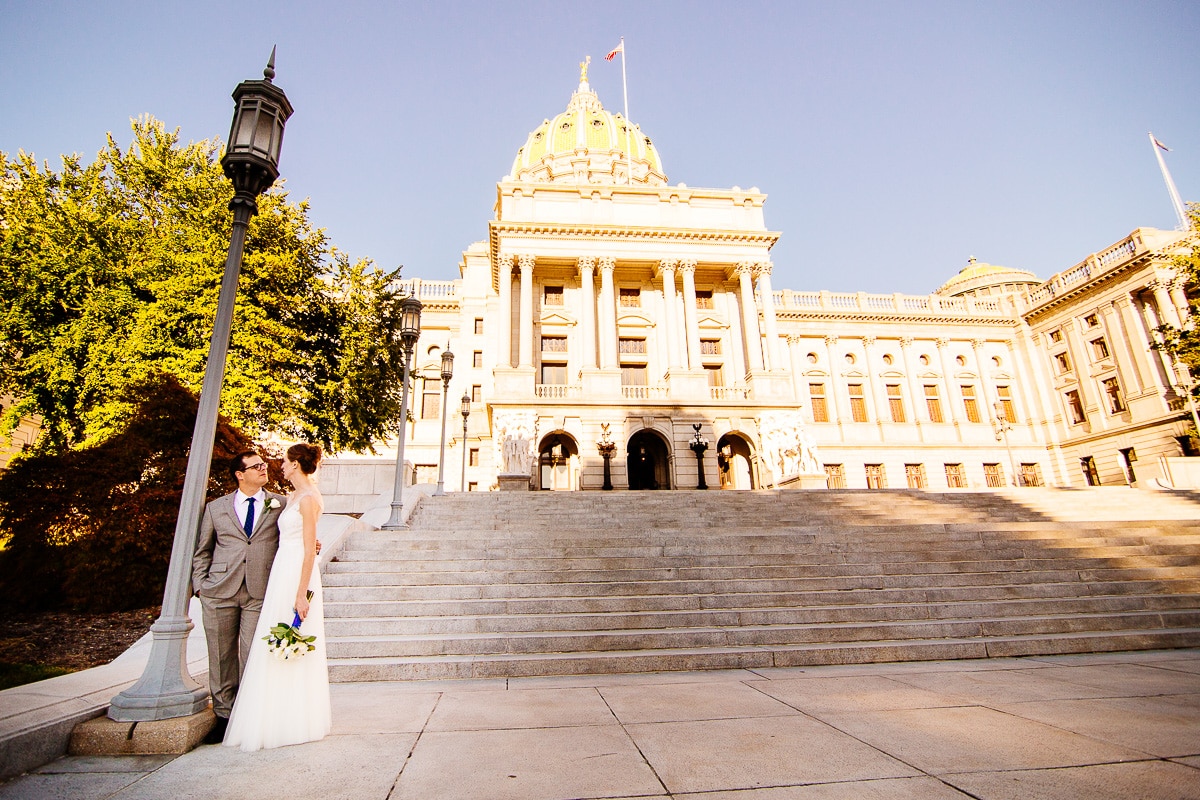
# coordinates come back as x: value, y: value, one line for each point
x: 516, y: 432
x: 787, y: 447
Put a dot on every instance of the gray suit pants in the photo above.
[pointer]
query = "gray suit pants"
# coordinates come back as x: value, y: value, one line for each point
x: 229, y: 628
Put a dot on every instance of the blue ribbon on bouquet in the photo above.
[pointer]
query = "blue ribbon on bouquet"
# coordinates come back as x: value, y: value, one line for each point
x: 296, y: 620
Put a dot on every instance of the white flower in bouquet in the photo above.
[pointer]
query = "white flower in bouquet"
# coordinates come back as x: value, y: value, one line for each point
x: 285, y: 641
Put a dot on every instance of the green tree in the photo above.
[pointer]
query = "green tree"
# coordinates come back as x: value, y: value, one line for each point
x: 110, y: 271
x: 1183, y: 344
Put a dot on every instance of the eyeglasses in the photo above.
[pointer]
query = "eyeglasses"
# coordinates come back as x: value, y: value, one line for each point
x: 260, y: 466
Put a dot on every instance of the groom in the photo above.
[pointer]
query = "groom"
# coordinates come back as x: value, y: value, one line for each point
x: 239, y: 535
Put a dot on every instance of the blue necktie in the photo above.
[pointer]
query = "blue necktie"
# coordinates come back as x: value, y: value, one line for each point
x: 249, y: 526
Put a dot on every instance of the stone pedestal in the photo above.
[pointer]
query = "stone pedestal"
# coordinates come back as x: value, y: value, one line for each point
x: 510, y: 482
x: 816, y: 480
x: 105, y: 737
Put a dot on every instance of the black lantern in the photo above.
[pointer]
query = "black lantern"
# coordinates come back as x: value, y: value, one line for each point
x: 261, y: 110
x: 465, y: 408
x: 447, y: 374
x: 410, y: 322
x: 447, y: 365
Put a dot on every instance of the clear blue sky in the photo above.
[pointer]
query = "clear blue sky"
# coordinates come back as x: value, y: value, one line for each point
x: 894, y: 140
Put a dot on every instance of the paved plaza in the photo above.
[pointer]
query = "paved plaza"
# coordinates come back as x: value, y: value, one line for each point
x: 1124, y: 725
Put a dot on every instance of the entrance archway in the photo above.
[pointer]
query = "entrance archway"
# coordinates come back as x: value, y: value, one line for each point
x: 649, y: 464
x: 735, y: 462
x: 558, y: 463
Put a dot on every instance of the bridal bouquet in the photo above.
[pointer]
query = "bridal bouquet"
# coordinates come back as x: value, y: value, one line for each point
x: 286, y: 642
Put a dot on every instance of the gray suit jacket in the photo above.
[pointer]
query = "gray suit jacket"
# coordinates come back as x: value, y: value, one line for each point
x: 224, y: 557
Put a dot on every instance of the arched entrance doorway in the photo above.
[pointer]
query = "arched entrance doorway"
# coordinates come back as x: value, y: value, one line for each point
x: 735, y: 462
x: 558, y: 463
x: 649, y: 463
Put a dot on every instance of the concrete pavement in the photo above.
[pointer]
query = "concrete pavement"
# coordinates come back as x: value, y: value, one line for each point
x: 1122, y: 725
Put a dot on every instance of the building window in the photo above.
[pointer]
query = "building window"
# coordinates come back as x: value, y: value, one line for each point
x: 1031, y: 475
x: 473, y: 486
x: 473, y: 457
x: 1075, y: 406
x: 1091, y: 321
x: 631, y: 298
x: 835, y: 476
x: 554, y: 344
x: 858, y: 403
x: 479, y: 326
x: 1062, y: 363
x: 1007, y: 409
x: 552, y: 295
x: 993, y: 474
x: 1128, y: 459
x: 915, y: 473
x: 1090, y: 473
x: 716, y: 375
x: 704, y: 299
x: 1100, y: 348
x: 477, y: 359
x: 895, y: 402
x: 1055, y: 337
x: 1116, y: 401
x: 970, y: 405
x: 476, y: 393
x: 554, y: 374
x: 431, y: 404
x: 816, y: 395
x: 710, y: 347
x: 634, y: 346
x: 933, y: 403
x: 633, y: 374
x: 876, y: 479
x: 956, y: 476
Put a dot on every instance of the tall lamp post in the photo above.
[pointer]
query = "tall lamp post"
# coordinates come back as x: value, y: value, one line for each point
x: 608, y: 449
x: 447, y: 374
x: 466, y: 412
x: 1003, y: 426
x: 410, y: 331
x: 166, y: 689
x: 698, y: 445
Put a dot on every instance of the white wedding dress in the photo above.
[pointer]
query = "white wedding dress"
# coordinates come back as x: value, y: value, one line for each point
x: 284, y: 702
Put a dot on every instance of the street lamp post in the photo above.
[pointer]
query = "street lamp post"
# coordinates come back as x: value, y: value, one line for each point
x: 607, y: 448
x: 1003, y: 426
x: 166, y: 689
x: 698, y: 445
x: 410, y: 331
x: 466, y: 412
x: 447, y: 374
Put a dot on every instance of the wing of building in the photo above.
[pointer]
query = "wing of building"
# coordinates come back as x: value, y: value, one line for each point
x: 608, y: 312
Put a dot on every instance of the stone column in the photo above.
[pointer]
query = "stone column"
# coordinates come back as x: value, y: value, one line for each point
x: 989, y: 410
x: 916, y: 390
x: 794, y: 358
x: 526, y: 345
x: 607, y: 329
x: 952, y: 397
x: 504, y: 341
x: 773, y: 355
x: 666, y: 269
x: 1179, y: 297
x: 754, y: 356
x: 1166, y: 307
x: 587, y: 266
x: 1121, y: 347
x: 687, y: 268
x: 876, y: 400
x: 1164, y: 375
x: 831, y: 391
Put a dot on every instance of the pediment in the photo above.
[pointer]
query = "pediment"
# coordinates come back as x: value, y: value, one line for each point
x: 557, y: 318
x: 634, y: 319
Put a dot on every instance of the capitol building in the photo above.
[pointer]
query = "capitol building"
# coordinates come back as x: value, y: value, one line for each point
x: 610, y: 324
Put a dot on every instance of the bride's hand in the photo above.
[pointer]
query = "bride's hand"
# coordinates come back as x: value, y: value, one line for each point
x: 301, y: 606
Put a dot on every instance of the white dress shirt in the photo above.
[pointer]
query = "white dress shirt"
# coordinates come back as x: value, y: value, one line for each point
x: 241, y: 504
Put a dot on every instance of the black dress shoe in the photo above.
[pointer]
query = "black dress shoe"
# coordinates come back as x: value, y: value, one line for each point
x: 217, y: 734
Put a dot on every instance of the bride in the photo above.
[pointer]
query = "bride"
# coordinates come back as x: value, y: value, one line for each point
x: 281, y: 702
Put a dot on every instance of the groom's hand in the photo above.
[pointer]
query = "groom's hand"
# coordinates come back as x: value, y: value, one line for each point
x: 318, y: 547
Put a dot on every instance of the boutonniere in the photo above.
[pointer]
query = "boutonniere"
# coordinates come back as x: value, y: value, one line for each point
x: 270, y: 504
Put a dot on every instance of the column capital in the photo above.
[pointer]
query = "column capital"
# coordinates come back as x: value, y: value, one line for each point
x: 747, y: 268
x: 942, y: 343
x: 526, y: 261
x: 868, y: 341
x: 794, y: 339
x: 906, y: 342
x: 830, y: 341
x: 505, y: 260
x: 977, y: 344
x: 586, y: 262
x: 687, y: 265
x: 606, y: 263
x: 667, y: 264
x: 763, y: 269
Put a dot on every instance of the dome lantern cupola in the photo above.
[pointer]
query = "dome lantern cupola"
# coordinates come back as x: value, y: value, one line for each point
x: 587, y: 144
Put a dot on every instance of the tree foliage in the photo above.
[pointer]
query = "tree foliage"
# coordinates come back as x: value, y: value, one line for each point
x: 92, y: 529
x: 1183, y: 344
x: 110, y: 272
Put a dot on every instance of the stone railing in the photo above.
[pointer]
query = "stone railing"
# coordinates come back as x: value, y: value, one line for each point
x: 430, y: 290
x: 859, y: 302
x: 557, y: 391
x: 729, y: 392
x: 644, y: 392
x: 1092, y: 266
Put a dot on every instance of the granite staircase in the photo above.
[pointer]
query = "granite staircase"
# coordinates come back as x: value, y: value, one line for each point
x: 521, y: 584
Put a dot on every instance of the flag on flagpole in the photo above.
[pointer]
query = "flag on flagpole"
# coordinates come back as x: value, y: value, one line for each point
x: 1160, y: 144
x: 613, y: 53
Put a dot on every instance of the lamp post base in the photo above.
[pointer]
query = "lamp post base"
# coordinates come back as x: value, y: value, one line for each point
x: 166, y: 689
x: 396, y: 521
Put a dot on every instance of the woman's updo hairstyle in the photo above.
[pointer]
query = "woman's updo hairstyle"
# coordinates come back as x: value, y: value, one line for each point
x: 308, y: 456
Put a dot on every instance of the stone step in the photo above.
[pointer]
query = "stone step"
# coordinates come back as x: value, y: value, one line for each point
x: 629, y: 620
x: 751, y: 657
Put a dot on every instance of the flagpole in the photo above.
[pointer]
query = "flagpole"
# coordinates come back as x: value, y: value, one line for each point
x: 628, y: 124
x: 1157, y: 147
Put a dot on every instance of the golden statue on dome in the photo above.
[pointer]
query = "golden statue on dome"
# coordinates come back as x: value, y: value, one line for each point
x: 583, y: 68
